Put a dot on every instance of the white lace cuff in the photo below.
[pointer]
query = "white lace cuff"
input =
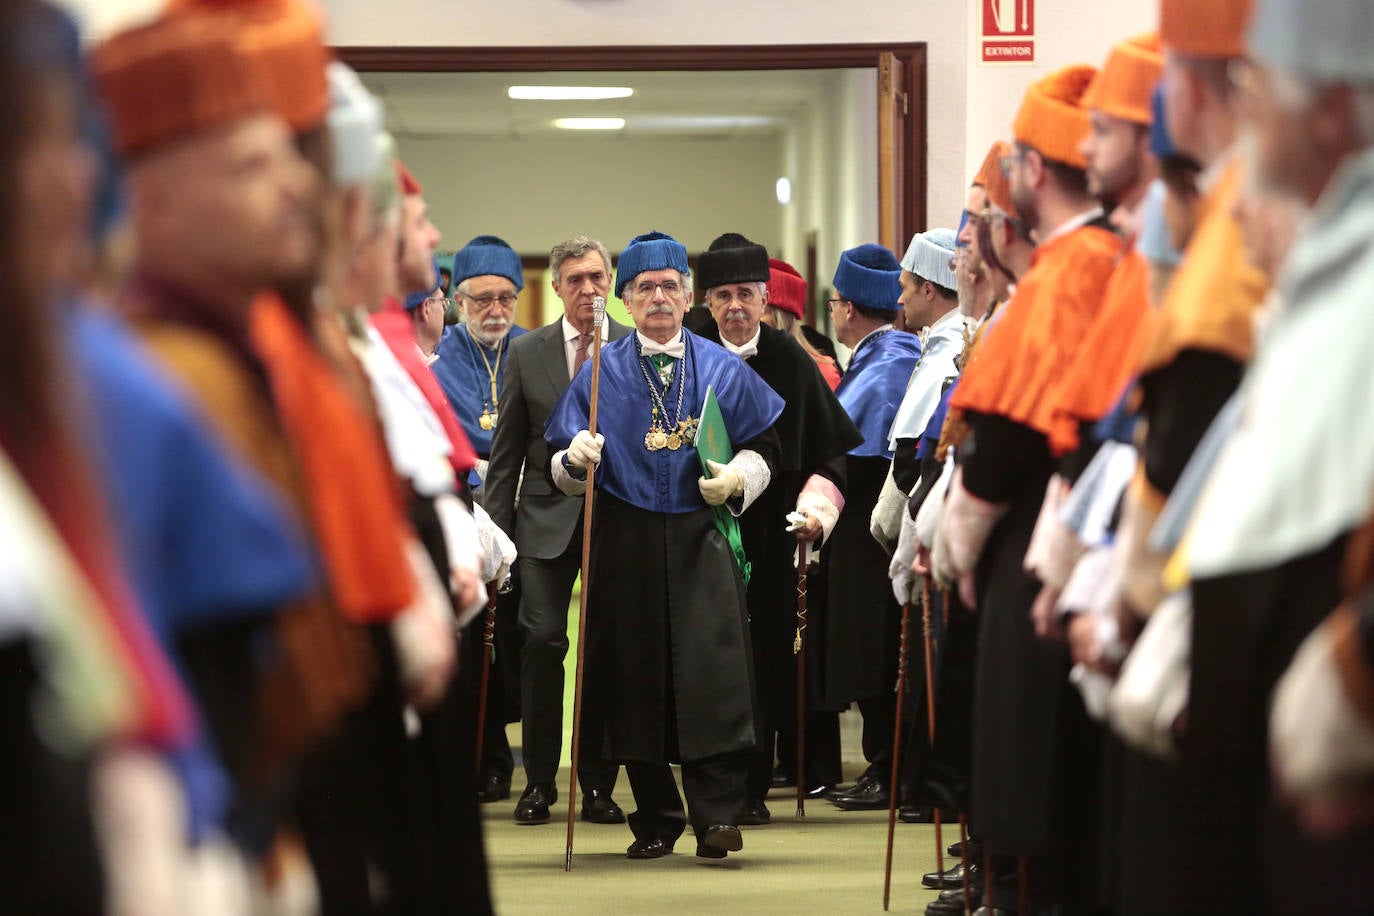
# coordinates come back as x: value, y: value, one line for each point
x: 563, y: 479
x: 754, y: 471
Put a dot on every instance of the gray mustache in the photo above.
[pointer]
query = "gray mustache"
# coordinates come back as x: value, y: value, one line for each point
x: 664, y: 309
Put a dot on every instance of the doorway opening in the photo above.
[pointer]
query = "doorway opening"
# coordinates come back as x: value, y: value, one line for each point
x: 807, y: 149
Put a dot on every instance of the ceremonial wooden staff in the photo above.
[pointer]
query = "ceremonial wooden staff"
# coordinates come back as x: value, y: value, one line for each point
x: 598, y: 319
x: 799, y: 650
x: 930, y: 714
x: 963, y: 820
x: 488, y: 647
x: 892, y: 790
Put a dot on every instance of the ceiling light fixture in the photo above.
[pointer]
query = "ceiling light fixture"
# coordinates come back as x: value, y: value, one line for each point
x: 783, y: 190
x: 589, y: 123
x: 569, y: 93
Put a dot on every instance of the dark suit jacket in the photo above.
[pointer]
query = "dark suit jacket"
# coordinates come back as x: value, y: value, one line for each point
x: 535, y: 377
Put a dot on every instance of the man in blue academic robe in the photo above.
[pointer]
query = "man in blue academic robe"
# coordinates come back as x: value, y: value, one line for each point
x: 859, y: 626
x: 470, y: 365
x: 668, y: 675
x: 488, y: 278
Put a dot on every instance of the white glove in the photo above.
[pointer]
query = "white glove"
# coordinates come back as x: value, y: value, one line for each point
x: 899, y: 570
x: 928, y: 518
x: 585, y: 449
x: 884, y: 523
x: 1054, y: 546
x: 723, y: 483
x: 1321, y: 744
x: 966, y: 523
x: 498, y: 551
x: 465, y: 558
x: 941, y: 567
x: 426, y: 651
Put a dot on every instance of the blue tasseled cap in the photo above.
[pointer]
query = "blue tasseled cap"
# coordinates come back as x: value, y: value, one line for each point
x: 651, y: 251
x: 870, y: 276
x: 486, y: 256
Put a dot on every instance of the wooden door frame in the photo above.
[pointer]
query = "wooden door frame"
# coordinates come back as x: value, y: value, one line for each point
x: 609, y: 58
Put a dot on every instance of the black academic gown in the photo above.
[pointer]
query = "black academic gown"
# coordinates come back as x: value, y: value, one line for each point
x: 669, y: 669
x: 1179, y: 403
x: 815, y: 433
x: 1035, y: 786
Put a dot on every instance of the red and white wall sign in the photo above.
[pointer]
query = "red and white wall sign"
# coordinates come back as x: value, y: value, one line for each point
x: 1007, y: 32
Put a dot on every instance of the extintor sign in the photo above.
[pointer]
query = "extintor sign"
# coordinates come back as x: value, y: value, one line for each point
x: 1007, y: 32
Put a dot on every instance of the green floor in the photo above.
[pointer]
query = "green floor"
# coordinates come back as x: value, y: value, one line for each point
x: 829, y: 862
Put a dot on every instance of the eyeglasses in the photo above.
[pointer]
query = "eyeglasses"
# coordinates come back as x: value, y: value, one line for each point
x: 441, y: 301
x: 1008, y: 162
x: 646, y: 289
x: 831, y: 303
x: 483, y: 303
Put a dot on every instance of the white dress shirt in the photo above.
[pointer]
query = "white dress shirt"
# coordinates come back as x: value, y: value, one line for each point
x: 570, y: 336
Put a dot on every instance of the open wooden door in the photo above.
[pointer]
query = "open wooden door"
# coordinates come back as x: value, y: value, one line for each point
x: 894, y: 109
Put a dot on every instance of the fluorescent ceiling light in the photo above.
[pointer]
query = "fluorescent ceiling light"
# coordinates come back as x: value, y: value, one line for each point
x: 703, y: 122
x: 589, y: 123
x: 569, y: 93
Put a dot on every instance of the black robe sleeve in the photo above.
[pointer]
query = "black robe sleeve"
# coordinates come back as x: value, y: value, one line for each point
x: 767, y: 447
x: 1180, y: 402
x: 931, y: 469
x: 1072, y: 465
x: 833, y: 471
x: 1003, y: 458
x: 906, y: 469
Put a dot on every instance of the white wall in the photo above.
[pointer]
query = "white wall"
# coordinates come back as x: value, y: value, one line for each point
x: 536, y: 192
x: 1068, y: 32
x: 969, y: 105
x: 597, y: 22
x: 831, y: 157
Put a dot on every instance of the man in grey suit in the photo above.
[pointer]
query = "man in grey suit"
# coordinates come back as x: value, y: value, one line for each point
x: 547, y: 525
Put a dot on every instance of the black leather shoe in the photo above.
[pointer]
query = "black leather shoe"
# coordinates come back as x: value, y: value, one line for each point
x: 648, y: 849
x: 953, y: 878
x: 494, y: 788
x: 718, y: 840
x: 975, y: 850
x: 783, y: 780
x: 599, y: 808
x: 754, y: 814
x: 924, y: 814
x: 820, y: 792
x: 870, y: 797
x: 951, y: 903
x: 836, y: 791
x: 533, y: 807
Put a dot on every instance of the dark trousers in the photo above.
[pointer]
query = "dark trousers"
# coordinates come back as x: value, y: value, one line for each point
x: 49, y: 860
x: 822, y: 753
x: 715, y: 789
x: 546, y: 589
x: 880, y: 713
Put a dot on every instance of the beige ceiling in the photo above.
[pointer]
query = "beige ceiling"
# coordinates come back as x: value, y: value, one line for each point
x: 701, y: 104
